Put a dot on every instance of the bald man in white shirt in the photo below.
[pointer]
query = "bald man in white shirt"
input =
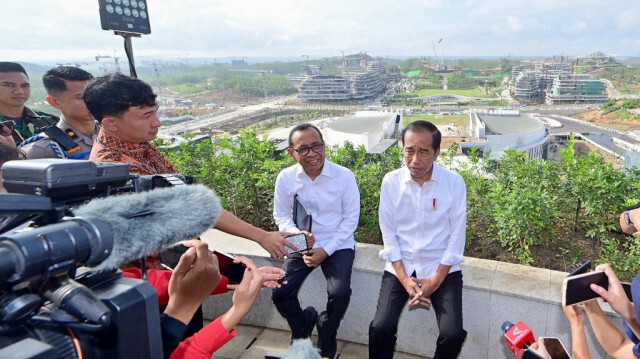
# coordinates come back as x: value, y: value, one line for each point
x: 423, y: 222
x: 331, y: 195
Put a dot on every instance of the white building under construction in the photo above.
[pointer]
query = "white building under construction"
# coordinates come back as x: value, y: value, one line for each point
x: 325, y: 88
x: 351, y: 86
x: 556, y: 84
x: 572, y: 88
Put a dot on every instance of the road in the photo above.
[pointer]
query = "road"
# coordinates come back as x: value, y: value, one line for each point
x: 223, y: 117
x: 612, y: 91
x: 599, y: 135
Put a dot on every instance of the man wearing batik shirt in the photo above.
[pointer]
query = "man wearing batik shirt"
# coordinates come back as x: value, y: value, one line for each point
x: 423, y: 217
x: 127, y: 109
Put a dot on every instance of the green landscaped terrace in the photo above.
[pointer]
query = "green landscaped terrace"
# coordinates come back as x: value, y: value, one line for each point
x: 438, y: 120
x: 460, y: 92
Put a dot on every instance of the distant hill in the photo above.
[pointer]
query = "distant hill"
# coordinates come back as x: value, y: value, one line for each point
x: 34, y: 69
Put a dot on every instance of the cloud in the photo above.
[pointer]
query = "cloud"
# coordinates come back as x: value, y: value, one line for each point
x: 628, y: 20
x: 575, y: 28
x: 514, y: 24
x: 319, y: 28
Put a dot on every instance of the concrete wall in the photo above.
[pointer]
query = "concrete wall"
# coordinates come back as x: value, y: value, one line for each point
x: 493, y: 293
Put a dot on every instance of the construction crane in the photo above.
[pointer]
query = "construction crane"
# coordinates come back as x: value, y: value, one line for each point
x: 262, y: 73
x: 436, y: 53
x: 156, y: 72
x: 115, y: 59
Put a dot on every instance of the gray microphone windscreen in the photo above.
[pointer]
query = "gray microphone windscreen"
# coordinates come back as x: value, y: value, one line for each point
x: 147, y: 222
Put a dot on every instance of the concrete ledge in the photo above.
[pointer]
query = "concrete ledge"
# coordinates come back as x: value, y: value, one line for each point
x: 493, y: 292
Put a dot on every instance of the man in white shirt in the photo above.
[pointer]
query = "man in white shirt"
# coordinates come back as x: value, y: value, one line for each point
x: 331, y: 195
x: 423, y: 222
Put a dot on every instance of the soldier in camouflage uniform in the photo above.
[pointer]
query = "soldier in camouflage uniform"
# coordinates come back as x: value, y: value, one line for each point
x: 15, y: 90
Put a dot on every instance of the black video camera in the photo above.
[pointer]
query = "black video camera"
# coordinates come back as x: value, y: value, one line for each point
x: 50, y: 305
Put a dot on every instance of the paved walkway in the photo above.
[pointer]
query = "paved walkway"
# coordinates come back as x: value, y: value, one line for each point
x: 254, y: 342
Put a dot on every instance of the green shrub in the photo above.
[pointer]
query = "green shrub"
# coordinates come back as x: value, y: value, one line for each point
x: 518, y: 203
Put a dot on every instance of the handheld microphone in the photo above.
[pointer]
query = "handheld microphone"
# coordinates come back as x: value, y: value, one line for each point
x: 518, y: 337
x: 147, y: 222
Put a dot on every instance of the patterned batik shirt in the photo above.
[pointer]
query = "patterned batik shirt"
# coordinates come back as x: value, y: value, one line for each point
x: 143, y: 158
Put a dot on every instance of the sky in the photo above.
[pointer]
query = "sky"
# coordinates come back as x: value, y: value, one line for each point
x: 47, y: 31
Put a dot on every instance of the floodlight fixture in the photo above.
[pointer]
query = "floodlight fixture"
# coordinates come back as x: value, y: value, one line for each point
x: 126, y: 16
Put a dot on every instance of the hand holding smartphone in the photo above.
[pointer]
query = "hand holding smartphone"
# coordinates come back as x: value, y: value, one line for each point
x: 233, y: 271
x: 299, y: 240
x: 584, y: 268
x: 577, y: 289
x: 554, y: 349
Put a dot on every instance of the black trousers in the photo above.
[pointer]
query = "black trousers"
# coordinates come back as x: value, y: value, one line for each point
x: 337, y: 270
x: 447, y: 303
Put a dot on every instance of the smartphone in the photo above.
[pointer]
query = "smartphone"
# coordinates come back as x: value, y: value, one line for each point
x: 530, y: 354
x: 229, y: 269
x: 627, y: 290
x: 555, y: 348
x: 582, y: 269
x: 299, y: 240
x: 576, y: 289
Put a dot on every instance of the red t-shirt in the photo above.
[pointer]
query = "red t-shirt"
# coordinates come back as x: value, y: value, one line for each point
x: 159, y: 279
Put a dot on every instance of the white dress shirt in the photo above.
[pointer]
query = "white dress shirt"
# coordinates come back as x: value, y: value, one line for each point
x: 424, y: 226
x: 332, y: 199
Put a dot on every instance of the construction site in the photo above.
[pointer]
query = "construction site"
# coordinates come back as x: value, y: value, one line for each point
x: 360, y: 80
x: 555, y: 82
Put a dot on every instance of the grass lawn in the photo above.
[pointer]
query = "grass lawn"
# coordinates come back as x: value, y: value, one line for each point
x: 188, y: 88
x: 469, y: 93
x: 459, y: 120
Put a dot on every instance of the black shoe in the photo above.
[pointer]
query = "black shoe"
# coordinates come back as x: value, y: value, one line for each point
x: 312, y: 317
x: 327, y: 343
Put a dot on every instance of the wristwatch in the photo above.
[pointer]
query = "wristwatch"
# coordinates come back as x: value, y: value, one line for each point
x: 627, y: 219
